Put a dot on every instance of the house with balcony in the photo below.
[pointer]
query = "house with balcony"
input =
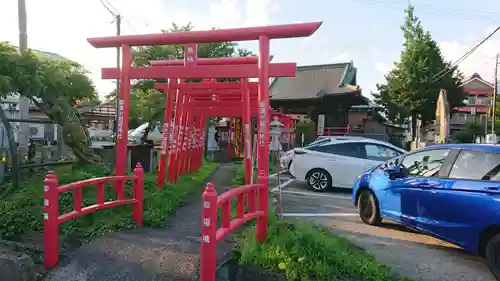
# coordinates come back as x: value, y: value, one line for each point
x: 476, y: 104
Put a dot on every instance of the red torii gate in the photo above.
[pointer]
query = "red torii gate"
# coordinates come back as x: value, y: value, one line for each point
x: 210, y: 234
x: 201, y: 95
x: 189, y: 71
x: 211, y: 61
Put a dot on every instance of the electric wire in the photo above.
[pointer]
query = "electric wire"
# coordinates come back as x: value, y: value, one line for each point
x: 445, y: 71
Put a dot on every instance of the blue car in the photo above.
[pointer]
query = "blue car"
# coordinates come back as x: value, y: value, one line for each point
x: 449, y: 191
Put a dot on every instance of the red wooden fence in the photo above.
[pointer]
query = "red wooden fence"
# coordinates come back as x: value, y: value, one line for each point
x: 211, y: 235
x: 52, y: 218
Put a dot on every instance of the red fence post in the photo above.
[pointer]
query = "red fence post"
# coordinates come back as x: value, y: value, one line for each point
x: 208, y: 261
x: 138, y: 187
x: 263, y: 138
x: 50, y: 221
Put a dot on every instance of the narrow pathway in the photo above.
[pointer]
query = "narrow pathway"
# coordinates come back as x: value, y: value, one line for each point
x: 167, y: 254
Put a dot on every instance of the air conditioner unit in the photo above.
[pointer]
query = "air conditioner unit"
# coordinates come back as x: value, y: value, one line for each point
x: 37, y: 131
x: 13, y: 106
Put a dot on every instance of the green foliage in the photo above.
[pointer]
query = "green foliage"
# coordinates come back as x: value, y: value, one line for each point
x: 239, y: 177
x: 55, y: 86
x: 306, y: 127
x: 469, y: 134
x: 411, y: 89
x: 147, y: 103
x: 305, y: 251
x: 21, y: 211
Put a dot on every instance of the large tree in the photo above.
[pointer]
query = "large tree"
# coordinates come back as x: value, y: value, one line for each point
x: 411, y: 89
x: 55, y: 86
x: 148, y: 103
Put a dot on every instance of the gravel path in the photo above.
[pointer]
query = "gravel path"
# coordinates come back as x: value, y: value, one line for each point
x: 167, y: 254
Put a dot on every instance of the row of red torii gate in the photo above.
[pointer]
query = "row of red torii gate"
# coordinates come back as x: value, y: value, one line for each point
x: 188, y: 107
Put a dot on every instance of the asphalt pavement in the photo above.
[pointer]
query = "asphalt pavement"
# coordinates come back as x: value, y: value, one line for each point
x: 409, y: 253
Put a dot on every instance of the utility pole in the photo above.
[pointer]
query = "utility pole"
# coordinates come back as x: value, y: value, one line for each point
x: 118, y: 20
x: 23, y: 133
x: 495, y: 93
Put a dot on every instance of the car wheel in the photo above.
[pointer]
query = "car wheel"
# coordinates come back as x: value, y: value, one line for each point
x: 493, y: 255
x: 319, y: 180
x: 368, y: 208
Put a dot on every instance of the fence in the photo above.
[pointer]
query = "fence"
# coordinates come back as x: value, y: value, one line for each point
x: 211, y: 235
x: 52, y: 218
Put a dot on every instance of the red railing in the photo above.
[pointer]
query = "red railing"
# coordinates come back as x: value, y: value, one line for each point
x: 52, y: 218
x: 211, y: 234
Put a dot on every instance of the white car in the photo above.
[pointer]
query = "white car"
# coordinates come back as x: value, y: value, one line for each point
x: 339, y: 163
x: 287, y: 157
x: 155, y: 135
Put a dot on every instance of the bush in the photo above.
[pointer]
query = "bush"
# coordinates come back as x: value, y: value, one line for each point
x: 21, y: 211
x: 305, y: 251
x: 306, y: 127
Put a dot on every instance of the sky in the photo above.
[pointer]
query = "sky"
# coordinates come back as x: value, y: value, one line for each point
x: 366, y: 32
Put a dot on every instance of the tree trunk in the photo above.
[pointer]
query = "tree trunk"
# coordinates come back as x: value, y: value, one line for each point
x: 12, y: 148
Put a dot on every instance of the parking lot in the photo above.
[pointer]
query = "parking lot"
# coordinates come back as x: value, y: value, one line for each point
x: 407, y: 252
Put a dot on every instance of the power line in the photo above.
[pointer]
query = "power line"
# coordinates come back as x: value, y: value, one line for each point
x: 116, y: 14
x: 435, y: 11
x: 111, y: 9
x: 443, y: 72
x: 489, y: 60
x: 106, y: 5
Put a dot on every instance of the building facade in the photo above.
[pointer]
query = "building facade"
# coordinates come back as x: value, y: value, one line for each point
x: 321, y: 92
x: 476, y: 104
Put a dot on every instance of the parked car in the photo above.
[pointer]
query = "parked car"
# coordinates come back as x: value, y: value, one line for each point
x: 338, y: 163
x: 286, y: 158
x: 155, y: 135
x: 451, y: 192
x: 101, y: 138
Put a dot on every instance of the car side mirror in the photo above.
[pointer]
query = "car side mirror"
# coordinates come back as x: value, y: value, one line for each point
x: 395, y: 172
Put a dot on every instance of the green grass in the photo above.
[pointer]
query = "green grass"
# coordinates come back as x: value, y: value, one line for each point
x: 306, y: 251
x: 21, y: 211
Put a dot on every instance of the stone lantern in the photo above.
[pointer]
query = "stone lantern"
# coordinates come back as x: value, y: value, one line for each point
x: 211, y: 142
x: 275, y: 134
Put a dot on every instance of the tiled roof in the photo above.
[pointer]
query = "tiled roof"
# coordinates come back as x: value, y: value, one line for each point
x: 50, y: 55
x: 315, y: 81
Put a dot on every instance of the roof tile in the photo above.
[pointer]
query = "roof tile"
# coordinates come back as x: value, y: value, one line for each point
x: 312, y: 82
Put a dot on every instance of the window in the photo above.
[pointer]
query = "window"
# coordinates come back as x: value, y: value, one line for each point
x: 318, y: 148
x: 346, y: 149
x: 459, y: 118
x: 476, y: 165
x: 426, y: 163
x: 380, y: 152
x: 318, y: 142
